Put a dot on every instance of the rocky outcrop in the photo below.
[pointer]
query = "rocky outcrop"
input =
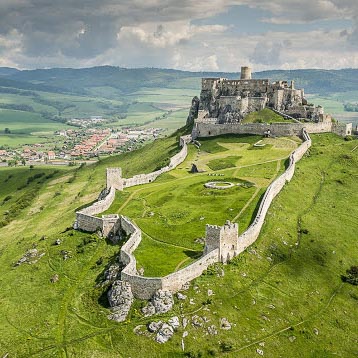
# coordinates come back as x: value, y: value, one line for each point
x: 120, y: 298
x: 161, y: 302
x: 193, y: 112
x: 30, y: 257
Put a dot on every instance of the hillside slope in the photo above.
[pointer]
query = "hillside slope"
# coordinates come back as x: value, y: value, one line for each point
x: 283, y: 296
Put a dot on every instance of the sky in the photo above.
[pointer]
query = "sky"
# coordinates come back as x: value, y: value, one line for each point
x: 200, y: 35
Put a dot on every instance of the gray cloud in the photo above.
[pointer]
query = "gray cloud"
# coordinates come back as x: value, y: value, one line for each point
x: 39, y: 33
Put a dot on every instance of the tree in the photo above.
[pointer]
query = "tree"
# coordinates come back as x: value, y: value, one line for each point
x: 7, y: 131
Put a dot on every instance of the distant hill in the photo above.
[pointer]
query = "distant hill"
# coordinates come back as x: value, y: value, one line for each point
x: 6, y: 71
x: 80, y: 81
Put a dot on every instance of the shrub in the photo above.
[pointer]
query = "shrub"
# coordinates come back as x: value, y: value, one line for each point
x: 227, y: 346
x: 352, y: 276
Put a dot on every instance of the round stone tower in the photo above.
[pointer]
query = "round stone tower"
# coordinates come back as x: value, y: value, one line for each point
x: 246, y: 73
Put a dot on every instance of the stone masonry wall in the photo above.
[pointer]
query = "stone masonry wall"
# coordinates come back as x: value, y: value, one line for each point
x: 277, y: 129
x: 145, y: 287
x: 251, y: 234
x: 85, y: 219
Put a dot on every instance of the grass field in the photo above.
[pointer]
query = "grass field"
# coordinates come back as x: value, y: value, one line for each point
x: 283, y: 296
x: 266, y: 115
x: 154, y: 107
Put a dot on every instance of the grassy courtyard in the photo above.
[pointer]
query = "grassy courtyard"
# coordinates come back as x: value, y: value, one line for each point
x: 172, y: 211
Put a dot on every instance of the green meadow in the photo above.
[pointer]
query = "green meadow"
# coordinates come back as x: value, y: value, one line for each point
x: 284, y: 295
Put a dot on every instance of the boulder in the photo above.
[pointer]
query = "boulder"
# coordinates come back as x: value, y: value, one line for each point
x: 194, y: 169
x: 120, y: 298
x: 164, y: 333
x: 225, y: 324
x: 54, y: 278
x: 162, y: 301
x: 148, y: 310
x: 181, y: 296
x: 174, y: 322
x: 212, y: 330
x: 154, y: 326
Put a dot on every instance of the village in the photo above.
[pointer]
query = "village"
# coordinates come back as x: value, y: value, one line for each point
x: 78, y: 145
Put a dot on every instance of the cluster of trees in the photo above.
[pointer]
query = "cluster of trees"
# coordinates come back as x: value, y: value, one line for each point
x: 351, y: 107
x: 17, y: 107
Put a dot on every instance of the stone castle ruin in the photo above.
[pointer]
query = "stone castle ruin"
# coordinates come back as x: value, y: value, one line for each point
x: 227, y: 101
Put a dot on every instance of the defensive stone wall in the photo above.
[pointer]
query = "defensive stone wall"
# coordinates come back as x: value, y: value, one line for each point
x: 145, y: 287
x: 176, y: 280
x: 85, y: 219
x: 100, y: 205
x: 216, y: 248
x: 205, y: 129
x: 252, y: 233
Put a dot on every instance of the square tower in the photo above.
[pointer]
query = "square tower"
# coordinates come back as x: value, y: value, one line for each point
x: 224, y: 238
x: 114, y: 178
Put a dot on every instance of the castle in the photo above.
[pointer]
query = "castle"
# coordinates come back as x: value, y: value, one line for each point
x: 229, y: 101
x: 222, y: 105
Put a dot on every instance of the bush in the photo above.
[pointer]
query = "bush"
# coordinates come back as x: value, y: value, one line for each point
x: 7, y: 198
x: 352, y: 276
x: 348, y: 138
x: 227, y: 346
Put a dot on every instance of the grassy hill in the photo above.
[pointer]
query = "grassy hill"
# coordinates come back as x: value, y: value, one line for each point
x: 283, y: 296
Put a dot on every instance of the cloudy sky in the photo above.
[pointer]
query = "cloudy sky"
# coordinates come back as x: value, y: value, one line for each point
x: 210, y: 35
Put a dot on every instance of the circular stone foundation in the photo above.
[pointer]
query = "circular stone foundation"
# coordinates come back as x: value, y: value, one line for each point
x: 219, y: 185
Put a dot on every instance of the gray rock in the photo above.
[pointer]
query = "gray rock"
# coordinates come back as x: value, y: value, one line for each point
x: 164, y: 333
x: 148, y: 310
x: 225, y: 324
x: 260, y: 352
x: 212, y: 330
x: 185, y: 322
x: 197, y: 321
x: 292, y: 338
x: 154, y: 326
x: 30, y: 257
x: 181, y: 296
x: 174, y: 322
x: 162, y: 301
x: 111, y: 274
x: 58, y: 242
x: 120, y: 298
x: 315, y: 331
x: 65, y: 254
x: 186, y: 286
x: 210, y: 292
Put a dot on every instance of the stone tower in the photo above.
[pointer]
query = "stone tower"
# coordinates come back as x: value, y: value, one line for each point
x: 245, y: 73
x: 224, y: 238
x: 114, y: 178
